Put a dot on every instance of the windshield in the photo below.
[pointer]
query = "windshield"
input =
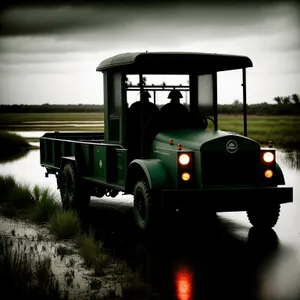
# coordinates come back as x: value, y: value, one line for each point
x: 171, y: 94
x: 159, y: 87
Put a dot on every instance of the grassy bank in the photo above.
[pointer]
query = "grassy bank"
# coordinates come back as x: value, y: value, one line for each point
x: 12, y: 146
x: 41, y: 206
x: 282, y: 130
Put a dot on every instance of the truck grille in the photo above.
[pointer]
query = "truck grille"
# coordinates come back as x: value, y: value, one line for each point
x: 226, y: 169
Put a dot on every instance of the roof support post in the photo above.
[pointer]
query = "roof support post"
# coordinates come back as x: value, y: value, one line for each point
x: 244, y: 101
x: 142, y: 115
x: 215, y: 100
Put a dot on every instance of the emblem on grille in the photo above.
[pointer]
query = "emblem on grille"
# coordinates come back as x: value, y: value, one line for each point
x: 231, y: 146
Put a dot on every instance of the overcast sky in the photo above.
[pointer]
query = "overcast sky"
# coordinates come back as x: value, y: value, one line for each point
x: 49, y: 54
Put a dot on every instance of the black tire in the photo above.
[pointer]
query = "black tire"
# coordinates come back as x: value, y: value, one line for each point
x: 145, y: 208
x: 73, y: 192
x: 264, y: 217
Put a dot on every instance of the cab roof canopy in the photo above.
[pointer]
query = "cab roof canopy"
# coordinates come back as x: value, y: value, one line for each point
x: 173, y: 63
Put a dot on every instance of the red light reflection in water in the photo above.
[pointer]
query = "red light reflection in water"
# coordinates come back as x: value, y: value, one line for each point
x: 184, y: 284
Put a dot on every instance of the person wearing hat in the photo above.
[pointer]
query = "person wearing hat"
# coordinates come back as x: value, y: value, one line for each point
x: 150, y: 120
x: 150, y: 109
x: 174, y: 114
x: 137, y: 106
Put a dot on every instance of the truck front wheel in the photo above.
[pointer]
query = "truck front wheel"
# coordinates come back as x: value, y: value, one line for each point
x: 74, y: 194
x: 145, y: 212
x: 264, y: 217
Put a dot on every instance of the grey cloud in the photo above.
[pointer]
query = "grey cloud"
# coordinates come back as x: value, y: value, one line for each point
x: 42, y: 45
x: 49, y: 21
x: 60, y: 33
x: 140, y: 26
x: 71, y: 19
x: 29, y: 58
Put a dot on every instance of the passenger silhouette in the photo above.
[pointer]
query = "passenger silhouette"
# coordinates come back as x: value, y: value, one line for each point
x: 150, y: 109
x: 142, y: 120
x: 174, y: 115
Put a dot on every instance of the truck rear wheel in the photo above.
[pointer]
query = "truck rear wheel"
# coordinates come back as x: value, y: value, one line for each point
x: 74, y: 194
x: 145, y: 212
x: 265, y: 217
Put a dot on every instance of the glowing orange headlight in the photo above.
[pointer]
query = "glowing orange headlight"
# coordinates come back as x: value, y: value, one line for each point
x: 269, y: 173
x: 186, y: 176
x: 268, y: 157
x: 184, y: 159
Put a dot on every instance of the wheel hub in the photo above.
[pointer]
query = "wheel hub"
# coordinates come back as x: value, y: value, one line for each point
x: 141, y: 207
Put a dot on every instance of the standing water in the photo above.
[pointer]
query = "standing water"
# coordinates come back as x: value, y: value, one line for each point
x: 228, y: 266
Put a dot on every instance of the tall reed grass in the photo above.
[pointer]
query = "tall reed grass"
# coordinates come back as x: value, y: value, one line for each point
x: 33, y: 276
x: 23, y: 275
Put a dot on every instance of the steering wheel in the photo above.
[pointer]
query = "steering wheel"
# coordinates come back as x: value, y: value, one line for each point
x: 211, y: 119
x: 202, y: 122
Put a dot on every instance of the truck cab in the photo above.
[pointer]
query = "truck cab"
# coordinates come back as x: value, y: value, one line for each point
x: 168, y: 156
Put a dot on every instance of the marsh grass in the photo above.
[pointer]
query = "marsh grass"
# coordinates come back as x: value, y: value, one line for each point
x: 45, y: 206
x: 65, y: 224
x: 93, y: 253
x: 21, y: 200
x: 282, y: 130
x: 13, y: 146
x: 24, y: 275
x: 35, y: 275
x: 15, y: 195
x: 14, y: 155
x: 12, y: 141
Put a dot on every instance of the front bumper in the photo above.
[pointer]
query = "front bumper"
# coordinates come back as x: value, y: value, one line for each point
x: 230, y: 199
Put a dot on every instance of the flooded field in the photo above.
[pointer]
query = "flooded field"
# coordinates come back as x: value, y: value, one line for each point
x: 43, y: 122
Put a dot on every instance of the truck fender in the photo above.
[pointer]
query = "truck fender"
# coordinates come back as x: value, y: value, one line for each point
x: 151, y: 169
x: 279, y: 175
x: 63, y: 161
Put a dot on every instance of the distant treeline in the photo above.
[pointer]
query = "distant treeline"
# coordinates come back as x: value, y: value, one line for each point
x: 235, y: 108
x: 261, y: 109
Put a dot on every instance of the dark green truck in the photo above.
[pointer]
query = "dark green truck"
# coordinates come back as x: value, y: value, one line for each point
x: 192, y: 165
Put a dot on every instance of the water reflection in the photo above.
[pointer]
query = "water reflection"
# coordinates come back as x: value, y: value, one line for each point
x: 184, y: 283
x: 30, y: 134
x: 27, y: 169
x: 38, y: 134
x: 218, y: 265
x: 292, y: 159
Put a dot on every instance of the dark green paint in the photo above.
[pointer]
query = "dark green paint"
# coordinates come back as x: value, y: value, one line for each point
x: 99, y: 162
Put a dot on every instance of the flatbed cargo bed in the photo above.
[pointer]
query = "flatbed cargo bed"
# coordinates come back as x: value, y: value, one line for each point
x: 91, y: 153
